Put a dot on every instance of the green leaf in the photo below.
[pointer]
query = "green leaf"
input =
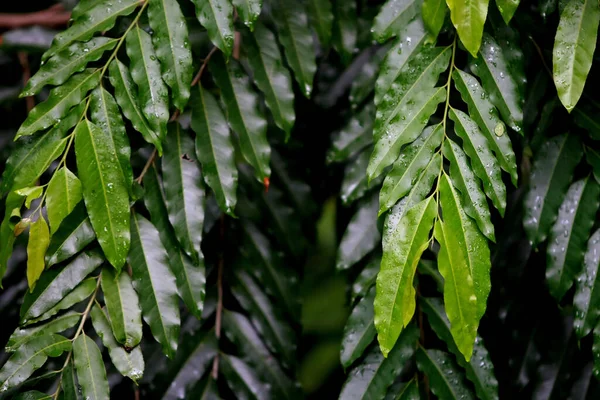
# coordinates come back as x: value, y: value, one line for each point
x: 123, y: 307
x: 129, y: 362
x: 31, y: 356
x: 97, y: 18
x: 77, y: 295
x: 265, y: 316
x: 286, y: 224
x: 83, y: 7
x: 593, y: 159
x: 39, y: 238
x: 445, y: 378
x: 68, y: 382
x: 403, y: 245
x: 464, y: 262
x: 33, y: 155
x: 464, y: 180
x: 155, y: 284
x: 371, y: 378
x: 153, y: 95
x: 217, y: 17
x: 59, y: 102
x: 190, y: 278
x: 568, y: 236
x: 75, y: 232
x: 355, y: 183
x: 364, y: 82
x: 406, y: 108
x: 434, y: 15
x: 12, y: 205
x: 297, y: 41
x: 587, y: 293
x: 242, y: 379
x: 409, y: 166
x: 73, y: 59
x: 355, y: 136
x: 507, y: 8
x: 359, y: 331
x: 479, y: 369
x: 56, y: 325
x: 214, y: 148
x: 483, y: 162
x: 361, y: 235
x: 407, y: 391
x: 320, y: 16
x: 499, y: 82
x: 485, y: 115
x: 30, y: 194
x: 345, y: 27
x: 366, y: 278
x: 574, y: 47
x: 63, y: 194
x: 393, y: 16
x: 90, y: 368
x: 270, y: 75
x: 33, y: 395
x: 56, y: 283
x: 410, y: 41
x: 239, y: 330
x: 553, y: 168
x: 243, y: 113
x: 596, y: 350
x: 171, y: 42
x: 184, y: 192
x: 106, y: 115
x: 105, y: 191
x: 126, y: 95
x: 249, y: 10
x: 468, y: 18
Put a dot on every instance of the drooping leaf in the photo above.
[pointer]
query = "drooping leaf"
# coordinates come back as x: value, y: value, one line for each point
x: 190, y: 278
x: 68, y: 382
x: 214, y: 148
x: 464, y: 180
x: 242, y: 379
x: 123, y: 307
x: 359, y: 331
x: 464, y: 262
x: 62, y: 195
x: 574, y: 47
x: 271, y: 76
x: 129, y: 363
x: 408, y: 167
x: 355, y: 136
x: 106, y: 115
x: 355, y: 183
x: 59, y: 102
x: 468, y: 17
x: 297, y: 40
x: 184, y: 192
x: 507, y: 8
x: 551, y: 174
x: 217, y: 17
x: 406, y: 108
x: 249, y: 10
x: 152, y: 95
x: 77, y: 295
x: 587, y: 293
x: 361, y: 235
x: 243, y: 113
x: 57, y: 325
x: 568, y: 236
x: 31, y: 356
x: 434, y: 14
x: 105, y: 192
x: 372, y: 377
x: 403, y: 245
x: 55, y: 283
x: 155, y: 284
x: 499, y: 82
x: 90, y: 368
x: 393, y: 16
x: 75, y: 232
x: 485, y: 115
x: 479, y: 369
x: 97, y: 18
x: 345, y: 26
x: 39, y: 238
x: 445, y: 378
x: 30, y: 194
x: 171, y: 42
x: 366, y: 278
x: 320, y: 16
x: 126, y: 95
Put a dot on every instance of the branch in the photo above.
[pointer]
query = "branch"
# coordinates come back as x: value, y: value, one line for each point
x: 24, y: 61
x: 51, y: 17
x: 203, y: 67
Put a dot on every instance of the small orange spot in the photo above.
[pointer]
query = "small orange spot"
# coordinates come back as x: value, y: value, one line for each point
x: 266, y: 182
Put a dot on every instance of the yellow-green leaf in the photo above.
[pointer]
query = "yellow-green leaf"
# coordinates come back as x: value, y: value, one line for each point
x: 39, y: 238
x: 63, y: 194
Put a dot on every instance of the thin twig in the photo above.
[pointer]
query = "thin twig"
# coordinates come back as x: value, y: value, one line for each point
x: 51, y: 17
x: 539, y: 50
x: 24, y: 61
x: 237, y: 42
x: 147, y: 166
x: 219, y: 310
x: 203, y: 67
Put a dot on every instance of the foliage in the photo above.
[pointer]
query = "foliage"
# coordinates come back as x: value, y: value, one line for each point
x: 174, y: 185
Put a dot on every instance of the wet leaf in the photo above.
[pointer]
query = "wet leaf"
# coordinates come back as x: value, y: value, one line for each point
x: 59, y: 324
x: 62, y: 195
x: 91, y: 373
x: 75, y: 232
x: 217, y: 17
x: 445, y: 377
x: 39, y: 238
x: 393, y: 16
x: 434, y: 14
x: 249, y: 10
x: 359, y: 331
x: 320, y: 15
x: 586, y: 301
x: 468, y: 17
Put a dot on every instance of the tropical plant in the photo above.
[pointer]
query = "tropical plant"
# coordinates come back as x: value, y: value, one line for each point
x: 169, y: 205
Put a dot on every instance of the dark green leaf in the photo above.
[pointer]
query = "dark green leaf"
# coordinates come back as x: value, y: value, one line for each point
x: 77, y: 295
x: 320, y: 16
x: 105, y: 192
x: 62, y: 195
x: 345, y: 27
x: 587, y: 295
x: 407, y: 391
x: 393, y: 16
x: 445, y: 378
x: 74, y: 233
x: 355, y: 183
x: 33, y: 395
x: 366, y: 278
x: 507, y: 8
x: 82, y: 7
x: 249, y: 10
x: 551, y: 174
x: 57, y: 325
x: 359, y: 331
x: 434, y: 14
x: 13, y: 205
x: 364, y: 82
x: 353, y: 137
x: 68, y: 382
x: 593, y: 159
x: 217, y: 17
x: 90, y: 368
x: 285, y: 223
x: 39, y: 238
x: 242, y: 379
x: 155, y: 284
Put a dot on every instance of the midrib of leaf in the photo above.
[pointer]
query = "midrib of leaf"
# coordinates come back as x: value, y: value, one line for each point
x: 293, y: 42
x: 42, y: 351
x: 120, y: 304
x: 110, y: 130
x: 209, y: 130
x: 220, y: 28
x: 462, y: 229
x: 87, y: 353
x: 177, y: 74
x: 180, y: 173
x: 571, y: 66
x: 143, y: 58
x: 441, y: 373
x: 132, y: 100
x: 68, y: 198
